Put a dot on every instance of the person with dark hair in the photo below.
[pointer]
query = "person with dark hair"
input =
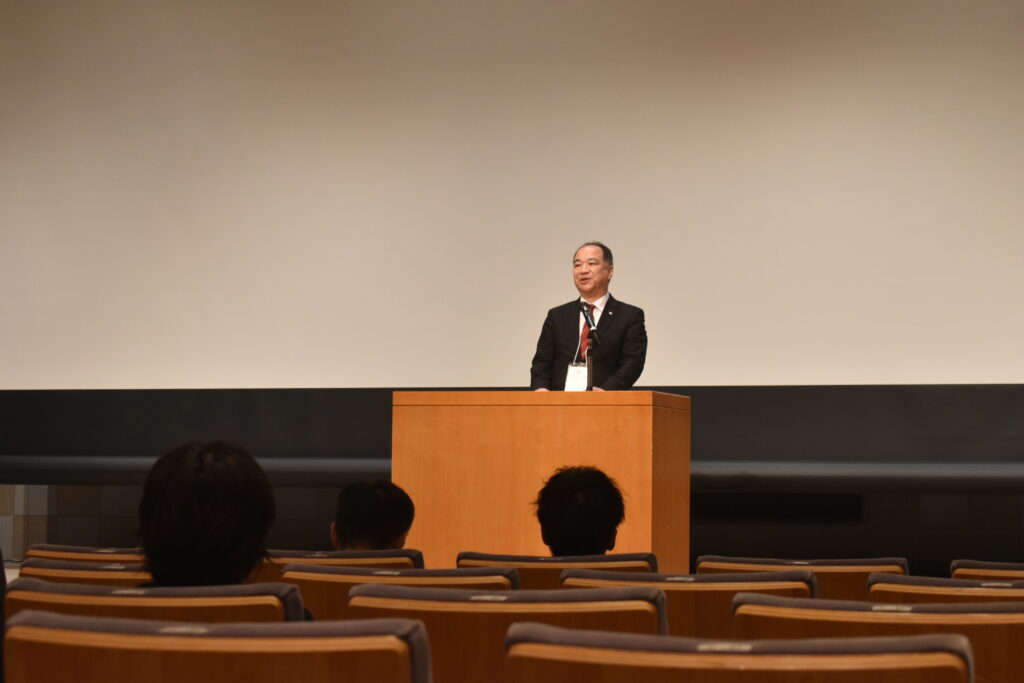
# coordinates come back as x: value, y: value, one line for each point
x: 579, y: 510
x: 372, y: 515
x: 205, y: 513
x: 616, y: 347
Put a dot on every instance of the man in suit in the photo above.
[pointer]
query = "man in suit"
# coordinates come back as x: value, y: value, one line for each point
x: 618, y: 359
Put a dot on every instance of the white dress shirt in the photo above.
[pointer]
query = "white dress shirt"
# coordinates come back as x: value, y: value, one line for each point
x: 598, y: 309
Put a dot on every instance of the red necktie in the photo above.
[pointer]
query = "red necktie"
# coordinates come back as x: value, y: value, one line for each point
x: 585, y: 335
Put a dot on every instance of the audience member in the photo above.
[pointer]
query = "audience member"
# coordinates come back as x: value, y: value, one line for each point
x: 372, y: 515
x: 205, y: 513
x: 579, y: 509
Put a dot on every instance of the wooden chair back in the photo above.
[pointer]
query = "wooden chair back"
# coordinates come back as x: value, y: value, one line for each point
x: 912, y: 589
x: 540, y: 572
x: 272, y: 566
x: 263, y: 602
x: 467, y: 628
x: 325, y: 589
x: 543, y: 654
x: 838, y: 579
x: 986, y: 571
x: 42, y: 646
x: 110, y: 574
x: 995, y: 629
x: 700, y: 605
x: 83, y: 553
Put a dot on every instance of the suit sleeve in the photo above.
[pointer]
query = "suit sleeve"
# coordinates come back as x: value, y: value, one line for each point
x: 543, y: 359
x: 632, y: 357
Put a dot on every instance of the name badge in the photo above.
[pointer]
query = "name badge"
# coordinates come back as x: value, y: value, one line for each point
x: 576, y: 378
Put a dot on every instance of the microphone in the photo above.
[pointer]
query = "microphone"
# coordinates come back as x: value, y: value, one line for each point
x: 585, y: 310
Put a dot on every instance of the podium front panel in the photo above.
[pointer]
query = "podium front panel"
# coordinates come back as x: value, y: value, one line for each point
x: 473, y: 463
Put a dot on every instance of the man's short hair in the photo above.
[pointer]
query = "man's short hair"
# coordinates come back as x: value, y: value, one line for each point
x: 372, y: 514
x: 604, y: 249
x: 579, y: 509
x: 205, y: 513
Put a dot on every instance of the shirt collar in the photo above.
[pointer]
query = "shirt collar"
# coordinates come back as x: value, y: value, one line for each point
x: 600, y: 303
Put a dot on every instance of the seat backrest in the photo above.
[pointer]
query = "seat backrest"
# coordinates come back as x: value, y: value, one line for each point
x: 467, y: 628
x: 979, y: 570
x: 325, y: 589
x: 899, y: 588
x: 85, y: 553
x: 700, y: 605
x: 542, y: 572
x: 995, y: 629
x: 43, y: 646
x: 111, y: 574
x: 273, y: 564
x: 248, y: 602
x: 543, y: 654
x: 838, y: 579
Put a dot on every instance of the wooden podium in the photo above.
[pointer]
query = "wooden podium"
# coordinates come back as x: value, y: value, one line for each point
x: 473, y: 462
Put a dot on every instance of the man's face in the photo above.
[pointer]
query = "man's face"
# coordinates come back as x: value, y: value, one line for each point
x: 590, y: 273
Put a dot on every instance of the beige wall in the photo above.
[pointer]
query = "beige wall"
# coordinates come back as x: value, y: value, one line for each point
x: 387, y: 193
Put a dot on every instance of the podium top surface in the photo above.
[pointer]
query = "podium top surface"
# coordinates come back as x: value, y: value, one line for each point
x: 655, y: 399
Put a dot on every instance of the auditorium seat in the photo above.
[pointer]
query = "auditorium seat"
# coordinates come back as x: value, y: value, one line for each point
x: 541, y: 571
x: 467, y: 628
x: 273, y: 564
x: 325, y: 589
x: 111, y: 574
x: 246, y: 602
x: 995, y: 629
x: 44, y: 646
x: 700, y: 605
x: 904, y: 589
x: 538, y: 653
x: 84, y: 553
x: 977, y: 569
x: 838, y: 579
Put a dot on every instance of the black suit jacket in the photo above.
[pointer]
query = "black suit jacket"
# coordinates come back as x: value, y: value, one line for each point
x: 618, y: 360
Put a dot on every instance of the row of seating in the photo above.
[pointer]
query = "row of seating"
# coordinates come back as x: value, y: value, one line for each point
x: 461, y: 619
x: 699, y: 605
x: 837, y: 578
x: 98, y: 565
x: 43, y: 646
x: 676, y: 591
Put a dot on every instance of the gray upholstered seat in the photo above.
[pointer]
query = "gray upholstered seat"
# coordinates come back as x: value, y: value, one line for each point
x: 539, y: 653
x: 325, y: 589
x: 245, y: 602
x: 43, y: 646
x: 467, y: 628
x: 838, y: 579
x: 700, y: 605
x: 542, y: 571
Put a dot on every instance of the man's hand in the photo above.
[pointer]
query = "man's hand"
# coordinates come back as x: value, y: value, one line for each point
x: 598, y: 389
x: 542, y: 389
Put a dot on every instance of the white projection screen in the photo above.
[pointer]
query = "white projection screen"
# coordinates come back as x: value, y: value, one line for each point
x: 388, y: 193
